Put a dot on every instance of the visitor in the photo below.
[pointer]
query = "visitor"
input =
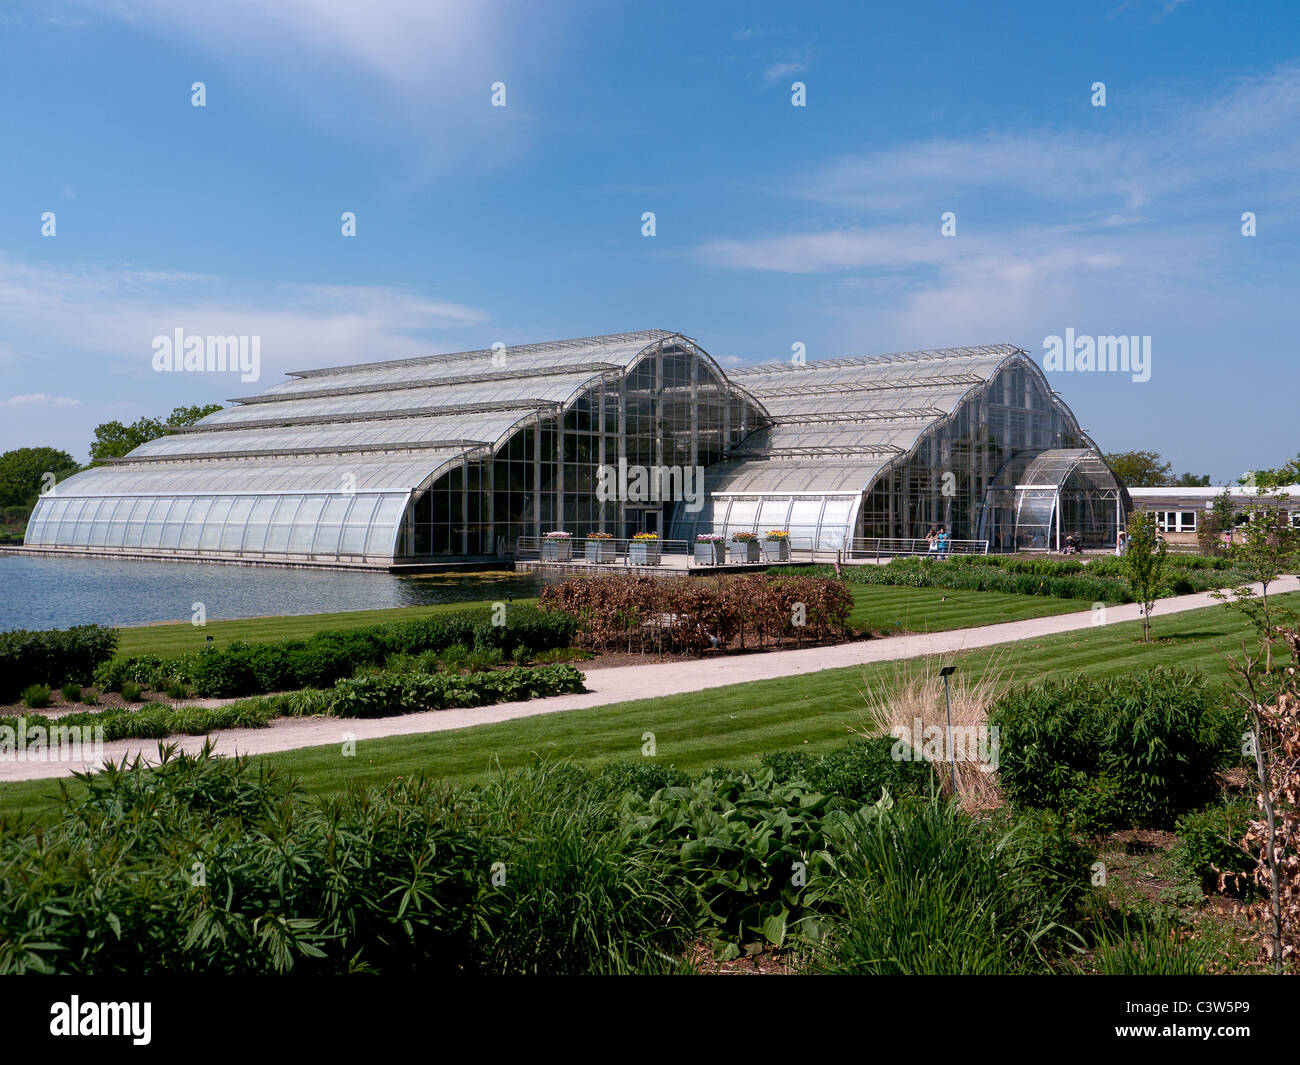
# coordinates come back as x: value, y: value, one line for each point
x: 1121, y: 544
x: 943, y: 544
x: 932, y: 538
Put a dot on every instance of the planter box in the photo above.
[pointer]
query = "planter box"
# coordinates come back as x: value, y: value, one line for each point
x: 557, y: 550
x: 710, y: 554
x: 744, y: 550
x: 644, y: 552
x: 600, y: 551
x: 776, y: 550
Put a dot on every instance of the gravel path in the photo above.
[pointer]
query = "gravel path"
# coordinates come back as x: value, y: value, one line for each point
x: 620, y: 684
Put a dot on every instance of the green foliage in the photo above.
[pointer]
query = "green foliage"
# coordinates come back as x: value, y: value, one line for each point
x: 23, y: 473
x: 114, y: 440
x: 1140, y: 469
x: 642, y: 778
x: 71, y: 693
x: 1150, y: 946
x: 1138, y: 750
x: 142, y: 669
x: 36, y: 696
x: 925, y: 889
x: 242, y: 668
x: 53, y: 656
x: 220, y: 866
x: 131, y: 691
x: 1209, y: 847
x: 1267, y: 546
x: 991, y: 573
x: 1053, y: 865
x: 383, y: 694
x: 746, y: 845
x: 1144, y: 565
x: 858, y: 771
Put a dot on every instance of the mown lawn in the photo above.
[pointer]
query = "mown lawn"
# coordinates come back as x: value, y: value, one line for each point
x: 736, y: 724
x: 891, y: 608
x: 179, y: 637
x: 878, y: 608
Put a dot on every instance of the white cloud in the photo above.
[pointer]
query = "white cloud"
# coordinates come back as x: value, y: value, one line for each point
x: 1251, y: 128
x: 39, y: 399
x: 780, y: 71
x: 112, y: 314
x: 382, y: 68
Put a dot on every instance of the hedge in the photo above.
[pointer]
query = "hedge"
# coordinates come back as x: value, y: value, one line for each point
x: 53, y: 657
x: 378, y: 695
x: 1133, y: 751
x: 242, y: 668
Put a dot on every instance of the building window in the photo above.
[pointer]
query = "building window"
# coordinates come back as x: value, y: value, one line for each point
x: 1176, y: 520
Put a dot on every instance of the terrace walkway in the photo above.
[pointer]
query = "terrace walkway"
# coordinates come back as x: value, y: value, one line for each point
x: 618, y: 684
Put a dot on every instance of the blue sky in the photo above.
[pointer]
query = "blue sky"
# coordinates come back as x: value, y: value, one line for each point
x: 775, y: 224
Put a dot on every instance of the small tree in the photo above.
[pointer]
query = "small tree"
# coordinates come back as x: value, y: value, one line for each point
x: 1268, y: 547
x: 1144, y: 566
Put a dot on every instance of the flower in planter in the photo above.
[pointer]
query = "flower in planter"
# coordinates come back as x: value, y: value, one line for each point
x: 646, y: 536
x: 778, y: 534
x: 708, y: 538
x: 744, y: 537
x: 600, y: 536
x: 557, y: 535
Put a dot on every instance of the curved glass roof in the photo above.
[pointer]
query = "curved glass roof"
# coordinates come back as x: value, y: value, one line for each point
x: 325, y: 464
x: 837, y: 423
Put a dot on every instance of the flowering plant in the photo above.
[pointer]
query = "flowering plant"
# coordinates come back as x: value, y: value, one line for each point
x: 646, y: 536
x: 778, y: 534
x: 744, y: 537
x: 708, y: 538
x: 557, y: 535
x: 600, y: 536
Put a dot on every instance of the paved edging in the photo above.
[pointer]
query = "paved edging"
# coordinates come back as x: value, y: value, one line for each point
x: 620, y: 684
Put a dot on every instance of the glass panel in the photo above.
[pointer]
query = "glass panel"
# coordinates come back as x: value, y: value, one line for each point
x: 193, y: 527
x: 277, y: 534
x: 210, y: 538
x: 232, y: 536
x: 304, y: 525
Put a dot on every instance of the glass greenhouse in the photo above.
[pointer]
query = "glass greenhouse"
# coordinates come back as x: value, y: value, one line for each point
x: 453, y: 457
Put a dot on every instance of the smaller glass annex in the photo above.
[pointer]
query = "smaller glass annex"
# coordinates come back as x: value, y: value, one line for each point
x: 455, y: 457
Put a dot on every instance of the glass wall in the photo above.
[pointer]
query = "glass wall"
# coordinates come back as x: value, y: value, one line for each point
x: 669, y: 415
x: 945, y: 482
x: 362, y: 524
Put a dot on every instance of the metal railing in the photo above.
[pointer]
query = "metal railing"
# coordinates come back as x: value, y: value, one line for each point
x: 880, y: 547
x: 668, y: 554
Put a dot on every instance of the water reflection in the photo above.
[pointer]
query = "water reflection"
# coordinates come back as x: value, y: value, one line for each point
x: 49, y: 593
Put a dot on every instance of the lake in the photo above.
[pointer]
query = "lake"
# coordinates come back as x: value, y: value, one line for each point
x: 55, y: 593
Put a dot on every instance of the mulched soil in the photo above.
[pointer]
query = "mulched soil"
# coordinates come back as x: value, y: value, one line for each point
x: 766, y: 963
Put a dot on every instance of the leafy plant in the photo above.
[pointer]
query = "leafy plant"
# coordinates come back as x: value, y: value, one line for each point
x: 71, y: 693
x: 36, y: 696
x: 926, y: 889
x: 746, y: 845
x: 1135, y: 750
x: 1209, y: 847
x: 131, y: 691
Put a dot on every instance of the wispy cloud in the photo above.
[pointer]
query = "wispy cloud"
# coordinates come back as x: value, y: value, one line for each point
x: 385, y: 67
x: 780, y: 71
x: 1252, y: 128
x: 113, y: 313
x: 39, y: 399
